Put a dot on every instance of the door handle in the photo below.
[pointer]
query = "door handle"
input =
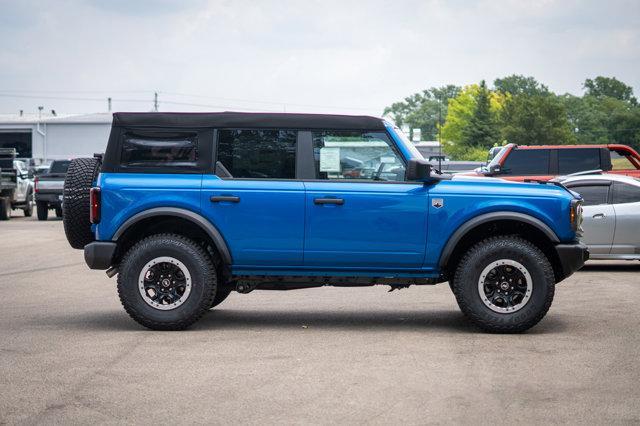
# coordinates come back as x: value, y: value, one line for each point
x: 599, y: 216
x: 224, y: 198
x: 336, y: 201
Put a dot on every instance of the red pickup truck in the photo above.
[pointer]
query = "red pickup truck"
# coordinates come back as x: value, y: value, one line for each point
x: 544, y: 162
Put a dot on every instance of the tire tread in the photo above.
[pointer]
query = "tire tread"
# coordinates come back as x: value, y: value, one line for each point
x: 210, y: 283
x: 505, y: 241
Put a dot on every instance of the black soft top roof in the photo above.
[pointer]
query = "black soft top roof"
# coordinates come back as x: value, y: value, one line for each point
x: 247, y: 120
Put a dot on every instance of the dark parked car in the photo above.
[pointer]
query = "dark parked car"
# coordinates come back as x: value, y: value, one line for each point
x: 545, y: 162
x: 49, y: 187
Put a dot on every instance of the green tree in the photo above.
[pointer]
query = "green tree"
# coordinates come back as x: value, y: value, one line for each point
x: 603, y: 119
x: 469, y: 130
x: 609, y: 87
x: 423, y: 110
x: 535, y: 120
x: 481, y: 129
x: 520, y: 85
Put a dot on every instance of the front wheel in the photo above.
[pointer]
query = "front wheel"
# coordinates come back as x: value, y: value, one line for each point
x: 504, y: 284
x: 166, y: 282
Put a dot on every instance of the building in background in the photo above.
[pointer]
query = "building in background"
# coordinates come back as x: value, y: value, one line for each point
x: 49, y: 137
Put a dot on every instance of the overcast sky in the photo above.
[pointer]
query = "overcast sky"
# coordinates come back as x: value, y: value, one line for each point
x: 310, y: 56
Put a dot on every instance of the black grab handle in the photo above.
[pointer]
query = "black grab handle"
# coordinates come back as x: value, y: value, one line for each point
x: 337, y: 201
x: 226, y: 198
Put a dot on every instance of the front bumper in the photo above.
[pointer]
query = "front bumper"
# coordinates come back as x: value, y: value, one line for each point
x: 572, y: 257
x: 99, y: 254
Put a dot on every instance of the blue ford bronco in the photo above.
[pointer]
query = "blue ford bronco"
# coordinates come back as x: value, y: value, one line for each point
x: 186, y: 208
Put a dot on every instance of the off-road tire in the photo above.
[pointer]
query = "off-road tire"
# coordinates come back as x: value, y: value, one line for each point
x: 5, y: 208
x: 81, y: 175
x: 42, y: 210
x: 58, y: 211
x: 221, y: 296
x: 28, y: 210
x: 467, y: 275
x: 203, y: 281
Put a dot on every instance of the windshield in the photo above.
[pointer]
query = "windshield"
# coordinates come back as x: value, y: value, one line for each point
x: 498, y: 157
x: 59, y: 167
x: 407, y: 143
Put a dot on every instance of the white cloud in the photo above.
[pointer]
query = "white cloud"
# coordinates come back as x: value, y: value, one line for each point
x: 338, y: 54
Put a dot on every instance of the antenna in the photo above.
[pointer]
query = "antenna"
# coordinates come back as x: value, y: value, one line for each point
x: 440, y: 135
x: 109, y: 104
x: 155, y: 101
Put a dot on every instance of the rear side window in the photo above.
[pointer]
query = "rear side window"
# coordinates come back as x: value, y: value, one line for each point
x: 625, y: 193
x: 167, y: 150
x: 258, y: 154
x: 620, y: 162
x: 578, y: 160
x: 527, y: 162
x: 593, y: 195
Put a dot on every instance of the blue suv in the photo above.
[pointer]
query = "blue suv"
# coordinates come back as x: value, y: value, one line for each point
x: 186, y: 208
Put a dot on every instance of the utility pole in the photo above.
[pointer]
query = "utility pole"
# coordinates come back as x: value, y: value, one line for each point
x: 109, y: 104
x: 155, y: 101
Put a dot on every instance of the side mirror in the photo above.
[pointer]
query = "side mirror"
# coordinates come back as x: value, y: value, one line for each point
x: 495, y: 169
x: 418, y: 170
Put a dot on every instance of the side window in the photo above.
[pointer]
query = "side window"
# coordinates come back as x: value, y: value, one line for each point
x: 593, y: 195
x: 573, y: 160
x: 258, y: 154
x: 620, y: 162
x: 527, y: 162
x: 356, y: 155
x: 625, y: 193
x: 166, y: 150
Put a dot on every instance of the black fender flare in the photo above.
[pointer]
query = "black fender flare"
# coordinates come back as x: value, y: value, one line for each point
x: 490, y: 217
x: 197, y: 219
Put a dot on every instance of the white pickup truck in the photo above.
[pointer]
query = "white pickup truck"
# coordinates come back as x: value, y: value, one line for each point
x: 16, y: 186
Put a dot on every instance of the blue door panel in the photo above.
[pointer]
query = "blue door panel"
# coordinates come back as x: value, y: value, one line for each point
x: 266, y: 226
x: 380, y: 225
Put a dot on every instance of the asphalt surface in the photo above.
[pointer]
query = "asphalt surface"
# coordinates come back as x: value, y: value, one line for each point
x: 70, y: 354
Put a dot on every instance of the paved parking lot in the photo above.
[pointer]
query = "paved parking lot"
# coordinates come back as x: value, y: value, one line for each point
x: 70, y: 354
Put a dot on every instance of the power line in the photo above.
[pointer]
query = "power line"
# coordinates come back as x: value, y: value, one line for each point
x: 68, y: 98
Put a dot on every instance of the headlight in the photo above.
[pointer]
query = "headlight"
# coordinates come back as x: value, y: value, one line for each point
x: 575, y: 215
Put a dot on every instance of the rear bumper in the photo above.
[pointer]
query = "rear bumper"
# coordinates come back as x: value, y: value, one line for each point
x: 572, y: 257
x: 50, y: 197
x: 99, y: 254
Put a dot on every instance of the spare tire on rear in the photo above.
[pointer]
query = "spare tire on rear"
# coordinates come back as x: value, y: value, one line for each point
x: 81, y: 176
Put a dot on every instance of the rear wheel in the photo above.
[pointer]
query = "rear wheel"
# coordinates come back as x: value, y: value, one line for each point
x: 221, y: 296
x: 42, y: 209
x: 5, y: 209
x: 166, y: 282
x: 504, y: 284
x: 28, y: 210
x: 81, y: 175
x: 59, y: 211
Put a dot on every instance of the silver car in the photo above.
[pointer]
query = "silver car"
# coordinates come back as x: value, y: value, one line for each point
x: 611, y: 214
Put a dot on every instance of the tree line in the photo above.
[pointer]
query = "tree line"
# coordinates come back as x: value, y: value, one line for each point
x: 519, y: 109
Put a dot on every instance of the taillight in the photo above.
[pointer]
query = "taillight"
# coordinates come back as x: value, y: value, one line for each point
x: 94, y: 200
x: 575, y: 215
x: 35, y: 184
